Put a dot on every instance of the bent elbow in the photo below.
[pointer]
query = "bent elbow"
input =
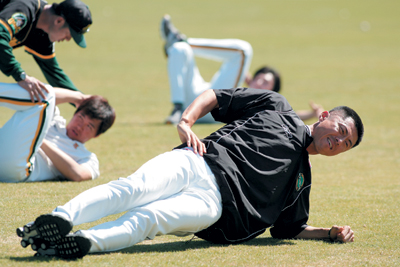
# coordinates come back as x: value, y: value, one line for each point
x: 80, y: 177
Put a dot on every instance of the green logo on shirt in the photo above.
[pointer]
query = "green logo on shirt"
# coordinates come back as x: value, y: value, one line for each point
x: 17, y: 22
x: 300, y: 181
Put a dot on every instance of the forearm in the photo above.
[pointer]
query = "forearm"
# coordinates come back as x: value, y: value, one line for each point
x: 342, y: 234
x: 311, y: 232
x: 314, y: 112
x: 305, y: 114
x: 68, y: 167
x: 68, y: 96
x: 203, y: 104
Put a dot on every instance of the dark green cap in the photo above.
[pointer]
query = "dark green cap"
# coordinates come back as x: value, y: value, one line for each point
x: 78, y: 17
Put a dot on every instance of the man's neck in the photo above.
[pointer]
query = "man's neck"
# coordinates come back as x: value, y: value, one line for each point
x: 44, y: 19
x: 311, y: 148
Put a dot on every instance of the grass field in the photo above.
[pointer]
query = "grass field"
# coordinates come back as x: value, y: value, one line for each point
x: 331, y: 52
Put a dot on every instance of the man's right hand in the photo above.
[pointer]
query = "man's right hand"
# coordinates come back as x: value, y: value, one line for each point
x: 204, y: 103
x: 190, y: 138
x: 34, y: 87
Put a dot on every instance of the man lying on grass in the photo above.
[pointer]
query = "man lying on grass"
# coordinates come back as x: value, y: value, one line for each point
x: 37, y: 144
x: 250, y: 175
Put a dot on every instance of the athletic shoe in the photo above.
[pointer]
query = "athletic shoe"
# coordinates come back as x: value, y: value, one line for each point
x: 169, y: 33
x: 176, y: 115
x: 48, y: 227
x: 71, y: 246
x: 41, y: 243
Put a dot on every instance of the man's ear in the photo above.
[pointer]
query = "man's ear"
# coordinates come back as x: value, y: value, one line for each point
x: 324, y: 115
x: 59, y: 21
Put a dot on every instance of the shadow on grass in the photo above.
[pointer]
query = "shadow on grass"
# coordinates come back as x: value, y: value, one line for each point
x: 27, y: 259
x: 166, y: 247
x: 199, y: 244
x: 177, y: 246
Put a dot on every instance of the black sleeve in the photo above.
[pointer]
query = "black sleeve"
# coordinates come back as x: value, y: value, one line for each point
x: 8, y: 64
x: 237, y: 103
x: 288, y: 231
x: 15, y: 20
x: 293, y: 218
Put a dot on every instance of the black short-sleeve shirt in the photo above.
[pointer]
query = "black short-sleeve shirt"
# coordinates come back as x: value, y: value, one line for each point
x: 261, y: 164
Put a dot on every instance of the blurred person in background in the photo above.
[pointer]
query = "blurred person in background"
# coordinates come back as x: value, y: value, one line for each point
x: 186, y: 82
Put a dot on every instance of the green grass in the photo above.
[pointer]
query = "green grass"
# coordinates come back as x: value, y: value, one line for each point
x: 322, y: 54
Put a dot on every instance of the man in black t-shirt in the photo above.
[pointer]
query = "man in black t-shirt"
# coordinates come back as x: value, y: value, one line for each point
x: 251, y: 174
x: 37, y: 26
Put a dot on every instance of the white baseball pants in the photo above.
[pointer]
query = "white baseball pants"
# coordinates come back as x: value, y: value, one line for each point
x: 22, y: 135
x: 185, y: 80
x: 174, y: 193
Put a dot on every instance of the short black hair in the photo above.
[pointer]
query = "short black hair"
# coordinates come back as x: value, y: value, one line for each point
x: 348, y: 112
x: 277, y: 76
x: 97, y: 107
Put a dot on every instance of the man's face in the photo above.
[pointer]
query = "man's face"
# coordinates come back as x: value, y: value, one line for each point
x: 82, y: 128
x: 59, y: 31
x: 263, y: 81
x: 333, y: 135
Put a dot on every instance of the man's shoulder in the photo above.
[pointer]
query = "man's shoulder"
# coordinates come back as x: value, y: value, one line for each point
x: 273, y: 96
x: 278, y: 101
x: 28, y: 7
x: 18, y: 17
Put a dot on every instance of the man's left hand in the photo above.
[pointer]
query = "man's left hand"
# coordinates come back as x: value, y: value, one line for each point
x: 342, y: 234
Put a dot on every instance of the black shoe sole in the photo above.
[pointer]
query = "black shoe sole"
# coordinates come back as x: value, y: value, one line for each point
x: 49, y: 227
x: 69, y: 247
